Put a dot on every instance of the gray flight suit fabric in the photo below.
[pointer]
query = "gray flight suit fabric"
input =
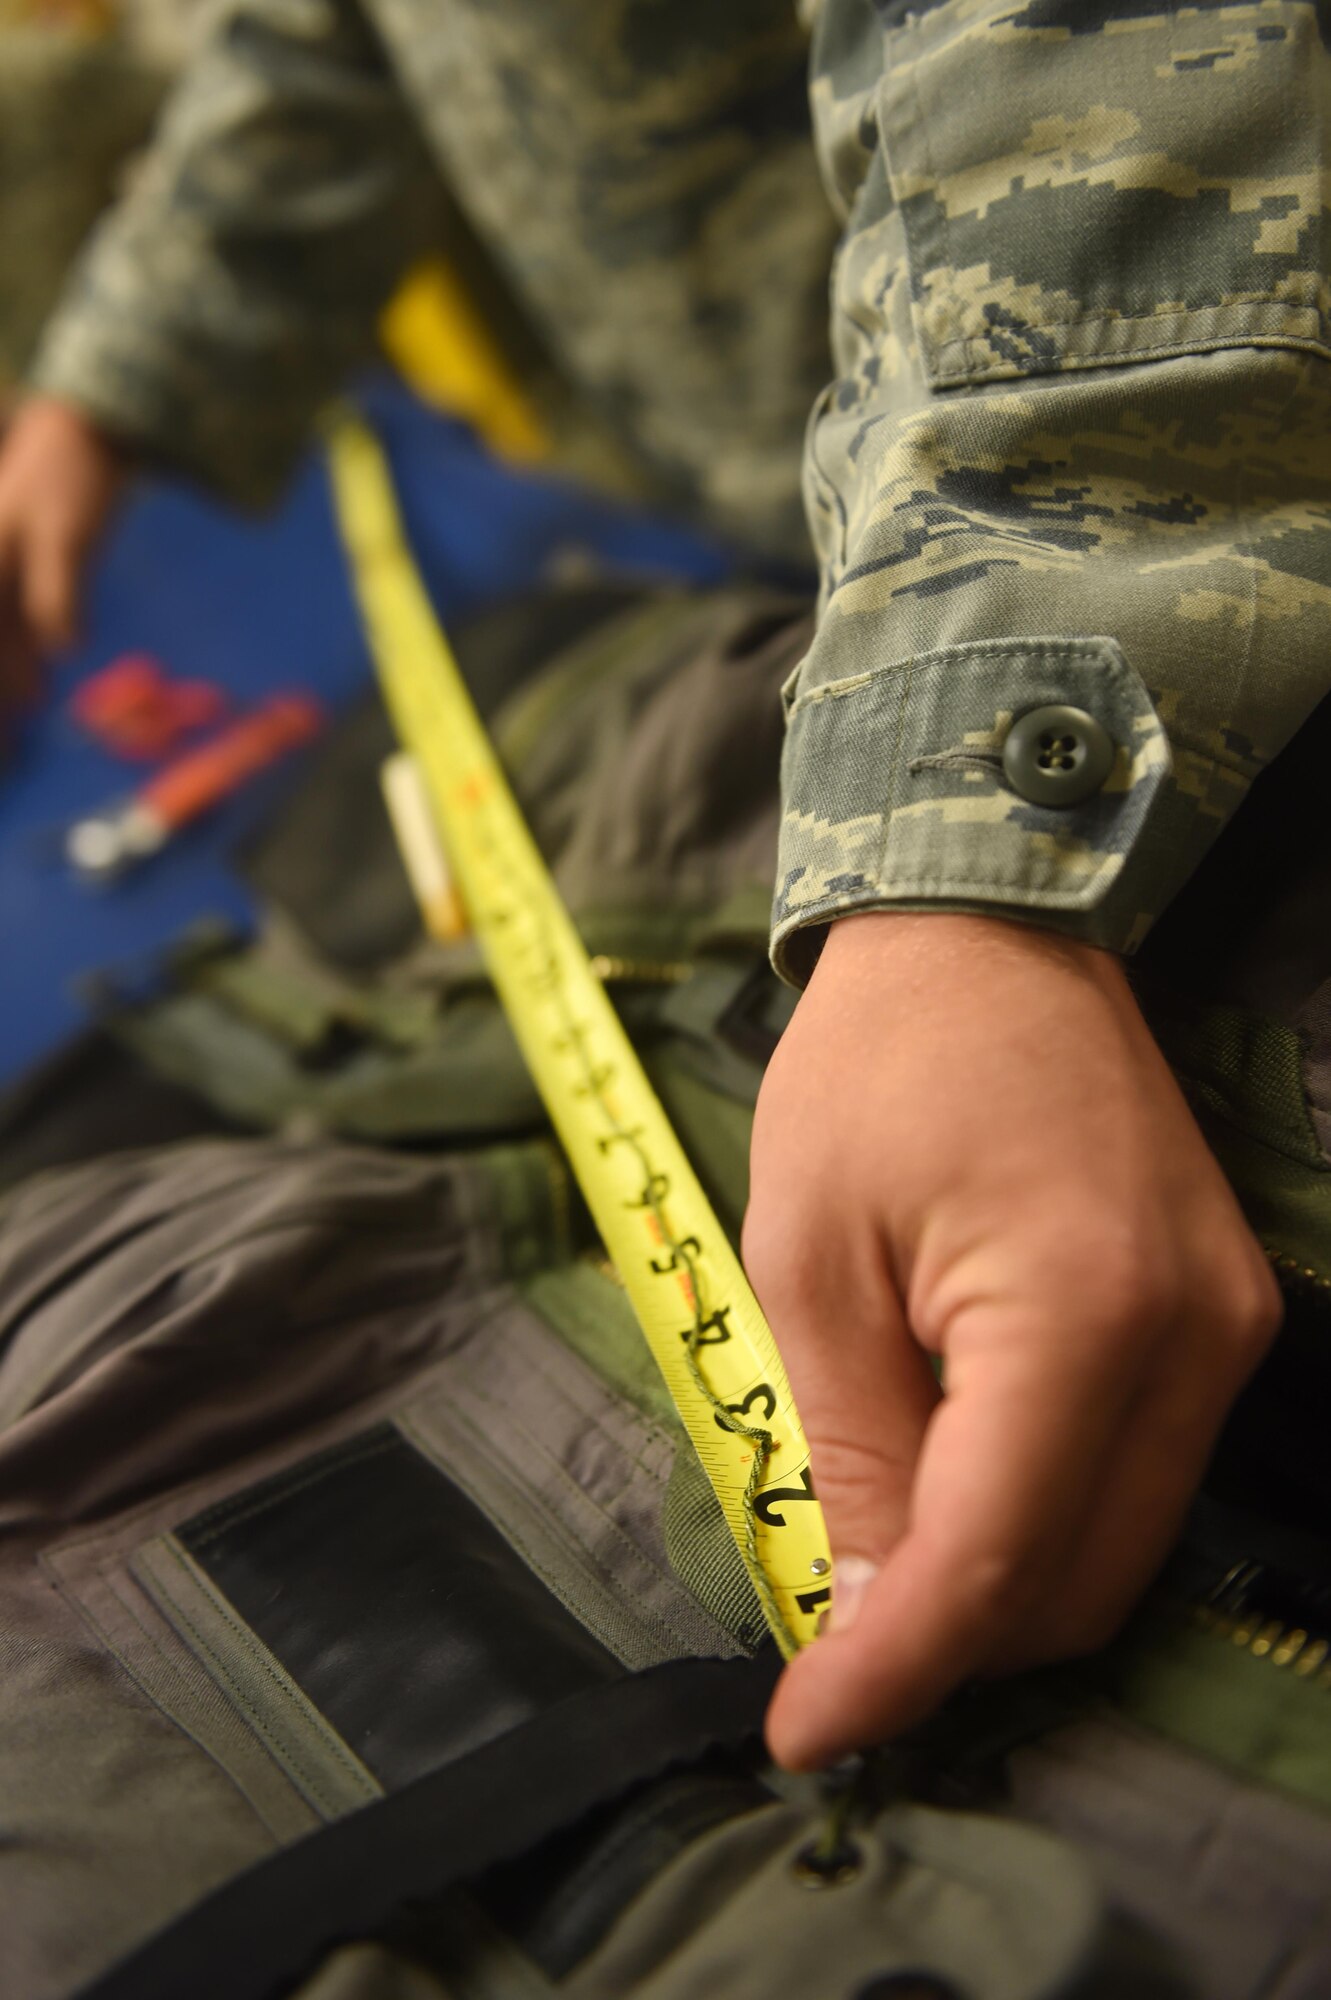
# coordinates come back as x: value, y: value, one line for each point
x: 1227, y: 1871
x: 176, y: 1328
x: 643, y: 175
x: 191, y: 1337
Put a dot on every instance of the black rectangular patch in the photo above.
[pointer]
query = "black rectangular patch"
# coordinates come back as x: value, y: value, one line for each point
x: 394, y: 1603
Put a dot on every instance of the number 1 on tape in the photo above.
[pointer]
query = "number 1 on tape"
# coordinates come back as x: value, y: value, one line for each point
x: 685, y: 1282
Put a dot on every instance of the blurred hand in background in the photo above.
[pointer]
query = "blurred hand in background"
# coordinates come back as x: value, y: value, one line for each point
x: 61, y: 478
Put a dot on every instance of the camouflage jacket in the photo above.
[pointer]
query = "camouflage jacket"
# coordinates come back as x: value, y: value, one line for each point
x: 1074, y: 450
x: 643, y: 177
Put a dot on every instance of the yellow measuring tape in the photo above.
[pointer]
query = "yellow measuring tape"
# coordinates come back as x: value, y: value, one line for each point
x: 685, y: 1282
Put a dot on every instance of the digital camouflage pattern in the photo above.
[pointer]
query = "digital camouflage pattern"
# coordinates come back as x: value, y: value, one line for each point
x: 72, y: 104
x: 80, y: 81
x: 1074, y: 448
x: 1080, y: 332
x: 643, y: 174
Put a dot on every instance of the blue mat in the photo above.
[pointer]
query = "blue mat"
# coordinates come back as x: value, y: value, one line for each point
x: 255, y: 607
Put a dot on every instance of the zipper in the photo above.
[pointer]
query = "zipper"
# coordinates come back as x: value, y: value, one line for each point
x: 1263, y: 1610
x: 640, y: 971
x: 1232, y: 1613
x: 1300, y: 1277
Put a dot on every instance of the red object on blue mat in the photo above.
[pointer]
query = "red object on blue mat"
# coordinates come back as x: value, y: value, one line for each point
x: 252, y: 606
x: 134, y: 708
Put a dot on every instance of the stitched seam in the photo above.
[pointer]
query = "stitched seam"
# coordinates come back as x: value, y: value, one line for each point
x: 944, y: 225
x: 956, y: 760
x: 651, y: 1433
x: 565, y: 1532
x: 286, y: 1487
x: 927, y: 887
x: 172, y: 1670
x: 622, y: 1539
x: 898, y: 738
x: 252, y: 1646
x: 990, y: 370
x: 573, y: 1547
x: 169, y: 1666
x: 651, y: 1429
x: 1287, y: 309
x: 591, y: 1417
x: 72, y: 1594
x: 570, y: 1485
x: 248, y: 1644
x: 1003, y: 649
x: 590, y: 1420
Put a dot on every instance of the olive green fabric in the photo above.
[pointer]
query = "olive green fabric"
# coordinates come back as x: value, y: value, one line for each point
x: 930, y: 1891
x: 589, y: 1309
x: 175, y: 1327
x: 1247, y: 1082
x: 1191, y: 1681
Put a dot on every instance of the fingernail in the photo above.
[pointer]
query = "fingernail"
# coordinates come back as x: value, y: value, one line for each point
x: 854, y: 1574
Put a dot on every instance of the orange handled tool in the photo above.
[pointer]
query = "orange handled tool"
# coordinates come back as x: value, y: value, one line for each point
x: 192, y: 785
x: 204, y: 777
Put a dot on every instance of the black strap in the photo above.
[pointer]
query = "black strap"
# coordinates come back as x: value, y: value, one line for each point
x: 257, y: 1936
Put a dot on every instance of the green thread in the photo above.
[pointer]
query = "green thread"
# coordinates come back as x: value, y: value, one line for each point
x: 550, y: 978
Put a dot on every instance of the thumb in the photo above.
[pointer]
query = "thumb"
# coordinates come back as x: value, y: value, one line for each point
x: 865, y: 1392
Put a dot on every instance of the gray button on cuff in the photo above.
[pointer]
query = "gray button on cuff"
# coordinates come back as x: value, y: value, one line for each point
x: 897, y: 789
x: 1057, y: 756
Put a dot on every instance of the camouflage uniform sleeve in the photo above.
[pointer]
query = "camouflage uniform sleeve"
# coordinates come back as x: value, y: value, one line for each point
x: 1075, y: 451
x: 240, y: 278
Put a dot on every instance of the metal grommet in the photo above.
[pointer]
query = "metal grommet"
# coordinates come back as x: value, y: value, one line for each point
x: 820, y: 1867
x: 1057, y: 756
x: 907, y: 1985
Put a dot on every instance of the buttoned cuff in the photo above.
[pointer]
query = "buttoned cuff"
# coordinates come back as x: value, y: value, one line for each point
x: 897, y: 793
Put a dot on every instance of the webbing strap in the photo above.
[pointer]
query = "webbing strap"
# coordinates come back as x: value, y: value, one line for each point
x: 254, y: 1938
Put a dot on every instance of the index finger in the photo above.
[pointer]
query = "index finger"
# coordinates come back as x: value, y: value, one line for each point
x: 1006, y: 1480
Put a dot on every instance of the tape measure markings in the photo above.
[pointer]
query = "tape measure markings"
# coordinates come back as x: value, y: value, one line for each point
x: 681, y: 1274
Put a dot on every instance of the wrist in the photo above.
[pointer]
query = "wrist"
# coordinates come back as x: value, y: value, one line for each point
x: 947, y: 943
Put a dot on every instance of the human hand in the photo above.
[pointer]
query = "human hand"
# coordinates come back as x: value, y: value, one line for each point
x: 968, y: 1145
x: 60, y: 479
